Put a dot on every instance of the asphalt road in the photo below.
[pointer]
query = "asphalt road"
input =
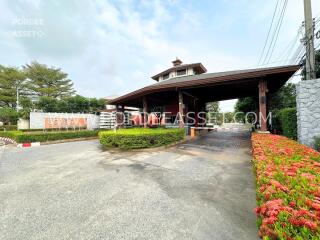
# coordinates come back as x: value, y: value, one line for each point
x: 199, y: 190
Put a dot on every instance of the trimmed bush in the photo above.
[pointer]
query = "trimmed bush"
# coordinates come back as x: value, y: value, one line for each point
x: 140, y: 137
x: 28, y: 137
x: 288, y: 122
x: 9, y: 134
x: 288, y: 192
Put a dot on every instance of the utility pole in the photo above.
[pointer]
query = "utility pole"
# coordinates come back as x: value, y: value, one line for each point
x: 18, y: 102
x: 309, y: 41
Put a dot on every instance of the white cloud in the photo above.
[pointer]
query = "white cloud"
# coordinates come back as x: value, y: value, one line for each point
x: 110, y: 48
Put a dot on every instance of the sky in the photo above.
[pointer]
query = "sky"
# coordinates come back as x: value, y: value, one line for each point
x: 113, y: 47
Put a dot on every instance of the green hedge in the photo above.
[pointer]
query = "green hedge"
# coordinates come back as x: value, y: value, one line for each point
x: 288, y: 122
x: 140, y: 137
x: 9, y: 134
x: 8, y: 128
x: 28, y: 137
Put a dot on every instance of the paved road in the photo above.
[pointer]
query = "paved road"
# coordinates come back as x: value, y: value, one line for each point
x: 200, y: 190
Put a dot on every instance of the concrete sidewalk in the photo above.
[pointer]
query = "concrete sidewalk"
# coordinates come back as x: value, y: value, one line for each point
x: 202, y: 189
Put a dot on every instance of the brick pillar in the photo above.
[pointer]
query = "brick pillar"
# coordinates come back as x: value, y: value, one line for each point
x: 263, y: 105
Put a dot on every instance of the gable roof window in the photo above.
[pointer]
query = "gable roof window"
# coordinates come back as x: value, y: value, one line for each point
x: 181, y: 72
x: 166, y: 76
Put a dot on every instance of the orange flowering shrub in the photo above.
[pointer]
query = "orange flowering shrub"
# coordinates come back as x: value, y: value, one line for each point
x: 288, y: 188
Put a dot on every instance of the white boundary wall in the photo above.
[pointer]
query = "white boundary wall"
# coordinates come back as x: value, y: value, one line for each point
x: 37, y: 119
x: 308, y: 111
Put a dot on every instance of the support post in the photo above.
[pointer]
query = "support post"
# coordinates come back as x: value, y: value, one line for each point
x: 263, y: 105
x: 181, y: 122
x: 309, y: 41
x: 119, y: 117
x: 196, y: 111
x: 145, y: 109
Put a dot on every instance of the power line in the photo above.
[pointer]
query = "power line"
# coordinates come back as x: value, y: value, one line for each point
x: 290, y: 47
x: 265, y: 44
x: 277, y: 31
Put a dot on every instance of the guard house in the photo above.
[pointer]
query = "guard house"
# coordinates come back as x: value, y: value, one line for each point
x: 186, y: 88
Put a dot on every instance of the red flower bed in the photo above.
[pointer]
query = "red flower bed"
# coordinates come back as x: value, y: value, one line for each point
x: 288, y: 188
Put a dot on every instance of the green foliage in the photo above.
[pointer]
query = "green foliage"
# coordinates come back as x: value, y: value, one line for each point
x: 213, y: 116
x: 47, y: 104
x: 140, y: 137
x: 77, y: 104
x: 317, y: 143
x: 11, y: 80
x: 71, y: 104
x: 247, y: 104
x: 285, y: 97
x: 28, y: 137
x: 50, y: 86
x: 213, y: 107
x: 48, y: 81
x: 8, y: 128
x: 288, y: 122
x: 26, y: 107
x: 9, y: 134
x: 8, y: 115
x: 96, y: 104
x: 244, y: 106
x: 228, y: 117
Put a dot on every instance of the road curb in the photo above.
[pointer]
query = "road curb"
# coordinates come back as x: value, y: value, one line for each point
x: 9, y: 140
x: 24, y: 145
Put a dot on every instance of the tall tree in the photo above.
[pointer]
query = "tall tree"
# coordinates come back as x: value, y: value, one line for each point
x: 48, y: 81
x: 12, y: 81
x: 213, y: 115
x: 213, y: 107
x: 284, y: 98
x: 97, y: 104
x: 247, y: 104
x: 8, y: 116
x: 47, y: 104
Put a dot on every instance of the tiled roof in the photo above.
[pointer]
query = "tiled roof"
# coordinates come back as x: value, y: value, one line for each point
x: 207, y: 79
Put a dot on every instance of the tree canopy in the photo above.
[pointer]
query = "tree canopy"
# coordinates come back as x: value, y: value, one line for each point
x: 75, y: 104
x: 40, y: 88
x: 48, y: 81
x: 11, y: 81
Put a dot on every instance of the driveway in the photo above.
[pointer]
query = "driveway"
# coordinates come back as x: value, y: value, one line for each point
x: 203, y: 189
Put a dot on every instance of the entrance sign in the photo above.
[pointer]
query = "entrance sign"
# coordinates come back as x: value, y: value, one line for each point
x: 58, y: 122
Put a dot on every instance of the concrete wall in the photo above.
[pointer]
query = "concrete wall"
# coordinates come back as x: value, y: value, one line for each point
x: 308, y: 111
x: 23, y: 124
x: 38, y: 120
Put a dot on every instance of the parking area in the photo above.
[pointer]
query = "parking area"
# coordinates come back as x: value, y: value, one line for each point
x: 203, y: 189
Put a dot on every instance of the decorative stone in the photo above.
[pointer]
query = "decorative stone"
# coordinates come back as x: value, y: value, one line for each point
x: 308, y: 111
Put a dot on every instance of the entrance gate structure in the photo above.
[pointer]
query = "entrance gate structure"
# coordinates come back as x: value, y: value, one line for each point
x: 190, y: 93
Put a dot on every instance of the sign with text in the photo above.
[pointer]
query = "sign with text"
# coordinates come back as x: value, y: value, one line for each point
x: 58, y: 122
